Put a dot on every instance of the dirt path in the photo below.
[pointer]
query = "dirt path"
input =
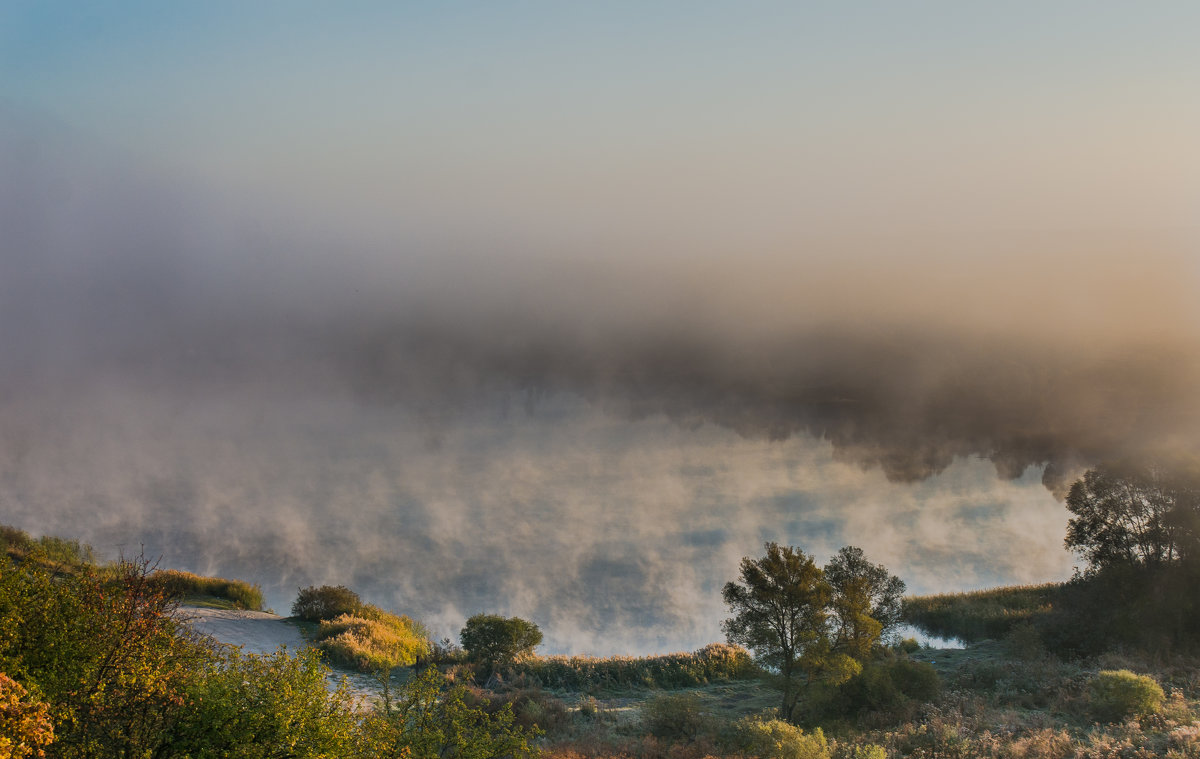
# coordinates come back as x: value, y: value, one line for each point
x: 256, y: 632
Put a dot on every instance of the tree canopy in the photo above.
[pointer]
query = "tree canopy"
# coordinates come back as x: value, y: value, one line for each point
x: 1134, y: 515
x: 801, y: 620
x: 495, y: 640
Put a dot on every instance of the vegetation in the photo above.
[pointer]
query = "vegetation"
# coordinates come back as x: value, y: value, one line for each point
x: 1114, y: 695
x: 982, y: 614
x: 25, y: 727
x: 190, y: 588
x: 776, y: 739
x: 1130, y: 514
x: 800, y: 620
x: 372, y: 640
x: 433, y: 720
x: 314, y: 604
x: 94, y: 663
x: 495, y: 641
x: 716, y: 662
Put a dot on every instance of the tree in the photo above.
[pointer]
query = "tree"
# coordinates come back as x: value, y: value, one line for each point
x: 867, y: 600
x: 780, y: 612
x: 1126, y: 514
x: 495, y: 640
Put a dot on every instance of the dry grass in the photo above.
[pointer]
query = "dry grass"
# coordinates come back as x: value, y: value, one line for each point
x: 372, y: 640
x: 716, y: 662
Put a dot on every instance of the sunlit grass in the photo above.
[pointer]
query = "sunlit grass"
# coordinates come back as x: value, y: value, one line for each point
x: 372, y: 639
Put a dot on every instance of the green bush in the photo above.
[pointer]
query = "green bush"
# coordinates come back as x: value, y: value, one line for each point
x: 908, y: 646
x: 776, y: 739
x: 675, y: 716
x: 261, y: 706
x: 869, y: 751
x: 326, y: 602
x: 1114, y: 695
x: 494, y: 640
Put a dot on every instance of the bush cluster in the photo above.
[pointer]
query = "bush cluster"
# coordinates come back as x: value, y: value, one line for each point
x: 713, y: 663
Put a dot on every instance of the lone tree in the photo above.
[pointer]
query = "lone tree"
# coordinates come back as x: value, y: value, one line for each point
x: 1133, y: 515
x: 780, y: 613
x: 496, y: 641
x: 804, y: 621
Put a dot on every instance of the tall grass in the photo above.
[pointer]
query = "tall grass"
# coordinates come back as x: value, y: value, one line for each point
x: 981, y: 614
x: 48, y: 549
x: 186, y: 585
x: 372, y: 639
x: 714, y: 662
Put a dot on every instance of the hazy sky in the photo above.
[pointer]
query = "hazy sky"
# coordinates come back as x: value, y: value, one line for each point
x: 560, y: 310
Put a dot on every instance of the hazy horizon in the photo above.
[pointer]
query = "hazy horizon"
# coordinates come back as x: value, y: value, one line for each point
x: 560, y: 312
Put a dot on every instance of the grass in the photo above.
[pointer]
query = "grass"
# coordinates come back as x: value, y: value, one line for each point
x: 214, y: 592
x: 716, y: 662
x: 982, y: 614
x: 372, y: 639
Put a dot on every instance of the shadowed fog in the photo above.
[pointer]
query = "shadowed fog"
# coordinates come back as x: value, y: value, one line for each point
x: 588, y: 437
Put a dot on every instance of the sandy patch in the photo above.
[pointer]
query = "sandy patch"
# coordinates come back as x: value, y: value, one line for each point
x: 256, y: 632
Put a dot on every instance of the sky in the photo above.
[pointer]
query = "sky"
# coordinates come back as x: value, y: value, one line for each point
x: 560, y: 310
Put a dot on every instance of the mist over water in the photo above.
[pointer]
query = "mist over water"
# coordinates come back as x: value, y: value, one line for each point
x: 575, y: 368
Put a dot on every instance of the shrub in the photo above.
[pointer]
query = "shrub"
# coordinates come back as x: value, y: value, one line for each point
x: 180, y: 584
x: 882, y: 686
x: 432, y: 720
x: 326, y: 602
x: 261, y: 706
x: 495, y: 640
x: 908, y: 646
x: 532, y: 708
x: 776, y: 739
x: 372, y: 640
x: 676, y: 715
x: 25, y: 726
x: 1114, y: 695
x: 869, y: 751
